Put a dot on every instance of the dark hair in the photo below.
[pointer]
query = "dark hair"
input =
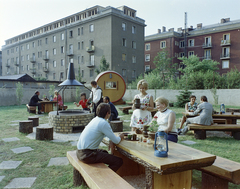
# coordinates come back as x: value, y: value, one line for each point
x: 36, y: 92
x: 83, y: 94
x: 93, y: 83
x: 107, y: 98
x: 204, y: 98
x: 192, y: 96
x: 103, y: 109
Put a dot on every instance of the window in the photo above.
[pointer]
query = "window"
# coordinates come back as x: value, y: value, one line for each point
x: 176, y: 43
x: 54, y: 38
x: 33, y: 44
x: 62, y: 62
x: 27, y: 46
x: 147, y: 46
x: 124, y: 42
x: 181, y: 44
x: 78, y: 45
x: 78, y: 31
x: 82, y: 73
x: 133, y: 29
x: 133, y: 73
x: 28, y: 57
x: 123, y: 72
x: 134, y: 45
x: 71, y: 33
x: 191, y: 42
x: 134, y: 59
x: 82, y: 45
x: 16, y: 49
x: 181, y: 54
x: 225, y: 52
x: 81, y: 30
x: 208, y: 42
x: 226, y: 39
x: 79, y: 59
x: 71, y: 49
x: 62, y: 49
x: 162, y: 44
x: 92, y: 59
x: 123, y: 57
x: 54, y: 76
x: 91, y: 28
x: 225, y: 64
x: 147, y: 57
x: 22, y: 48
x: 147, y: 68
x: 190, y: 53
x: 22, y: 68
x: 46, y: 40
x: 82, y: 59
x: 176, y: 54
x: 61, y: 75
x: 54, y: 51
x: 54, y: 63
x: 62, y: 36
x: 46, y: 54
x: 39, y: 65
x: 22, y: 58
x: 124, y: 26
x: 207, y: 54
x: 27, y: 68
x: 91, y: 73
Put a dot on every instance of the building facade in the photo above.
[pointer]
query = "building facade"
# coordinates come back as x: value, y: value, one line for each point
x: 82, y: 38
x: 0, y: 63
x: 219, y: 42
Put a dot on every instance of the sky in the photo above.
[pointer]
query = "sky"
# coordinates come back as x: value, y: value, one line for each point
x: 20, y: 16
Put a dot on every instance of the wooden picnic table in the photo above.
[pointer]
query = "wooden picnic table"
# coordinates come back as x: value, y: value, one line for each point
x: 175, y: 171
x: 47, y: 106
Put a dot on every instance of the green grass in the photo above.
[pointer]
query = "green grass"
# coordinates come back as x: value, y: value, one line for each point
x: 35, y: 162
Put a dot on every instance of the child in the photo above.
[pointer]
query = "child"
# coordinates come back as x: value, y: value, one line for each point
x: 83, y: 102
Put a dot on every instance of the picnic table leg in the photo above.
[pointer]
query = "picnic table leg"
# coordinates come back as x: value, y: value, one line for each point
x: 149, y: 178
x: 77, y: 178
x: 209, y: 182
x: 236, y: 135
x: 200, y: 134
x: 125, y: 111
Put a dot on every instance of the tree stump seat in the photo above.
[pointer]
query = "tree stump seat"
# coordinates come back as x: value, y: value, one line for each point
x: 26, y: 126
x: 117, y: 126
x: 44, y: 132
x: 31, y: 109
x: 35, y: 120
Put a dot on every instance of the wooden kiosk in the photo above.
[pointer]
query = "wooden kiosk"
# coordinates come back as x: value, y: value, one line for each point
x: 112, y: 85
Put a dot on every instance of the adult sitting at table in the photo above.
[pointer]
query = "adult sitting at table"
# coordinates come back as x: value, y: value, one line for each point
x: 34, y: 101
x: 189, y: 107
x: 205, y: 118
x: 166, y: 119
x: 142, y: 116
x: 92, y: 136
x: 114, y: 112
x: 57, y: 97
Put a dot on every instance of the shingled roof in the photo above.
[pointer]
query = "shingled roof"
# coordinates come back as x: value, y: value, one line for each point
x: 20, y: 77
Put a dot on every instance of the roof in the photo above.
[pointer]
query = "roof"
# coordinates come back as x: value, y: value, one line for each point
x: 20, y: 77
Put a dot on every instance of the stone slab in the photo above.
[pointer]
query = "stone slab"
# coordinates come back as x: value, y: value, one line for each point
x: 26, y: 182
x: 10, y: 164
x: 21, y: 150
x: 10, y: 139
x: 188, y: 142
x: 16, y: 121
x: 1, y: 178
x: 58, y: 161
x: 13, y: 124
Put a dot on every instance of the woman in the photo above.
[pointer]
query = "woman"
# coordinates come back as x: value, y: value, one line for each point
x: 166, y: 119
x: 58, y: 98
x: 189, y: 107
x: 142, y: 116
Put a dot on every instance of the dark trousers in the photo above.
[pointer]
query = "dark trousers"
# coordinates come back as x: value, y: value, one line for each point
x: 38, y: 105
x: 112, y: 117
x: 100, y: 156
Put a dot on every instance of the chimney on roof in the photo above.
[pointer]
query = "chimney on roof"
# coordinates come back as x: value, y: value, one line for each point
x: 159, y: 30
x: 171, y: 30
x: 199, y: 26
x: 227, y: 19
x: 163, y: 29
x: 179, y: 29
x: 223, y: 20
x: 191, y: 27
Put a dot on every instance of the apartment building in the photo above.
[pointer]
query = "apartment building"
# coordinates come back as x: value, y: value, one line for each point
x: 219, y: 42
x: 0, y: 63
x: 82, y: 38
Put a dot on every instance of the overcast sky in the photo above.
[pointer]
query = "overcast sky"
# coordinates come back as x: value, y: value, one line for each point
x: 19, y: 16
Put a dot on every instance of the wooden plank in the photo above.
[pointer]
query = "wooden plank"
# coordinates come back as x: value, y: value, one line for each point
x: 215, y: 127
x: 97, y: 175
x: 224, y: 168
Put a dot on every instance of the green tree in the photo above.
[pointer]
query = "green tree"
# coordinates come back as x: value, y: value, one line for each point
x: 164, y: 66
x: 104, y: 65
x: 182, y: 98
x: 51, y: 90
x: 19, y: 93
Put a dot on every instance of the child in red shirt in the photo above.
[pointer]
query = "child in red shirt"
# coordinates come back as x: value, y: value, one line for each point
x: 83, y: 102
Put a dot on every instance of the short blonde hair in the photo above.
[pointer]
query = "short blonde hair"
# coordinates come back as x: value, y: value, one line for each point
x: 162, y: 100
x: 55, y: 91
x: 144, y: 83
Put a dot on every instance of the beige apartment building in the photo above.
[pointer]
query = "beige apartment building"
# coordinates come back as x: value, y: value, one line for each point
x: 82, y: 38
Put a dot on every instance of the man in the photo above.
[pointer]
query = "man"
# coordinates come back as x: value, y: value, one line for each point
x: 114, y: 112
x: 92, y: 136
x: 34, y: 101
x: 96, y: 94
x: 205, y: 118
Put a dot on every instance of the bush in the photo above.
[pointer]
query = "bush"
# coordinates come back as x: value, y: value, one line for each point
x: 183, y: 98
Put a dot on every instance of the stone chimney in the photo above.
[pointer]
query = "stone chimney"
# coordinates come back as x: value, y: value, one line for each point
x: 223, y: 21
x: 163, y: 29
x: 179, y: 29
x: 191, y: 27
x: 199, y: 26
x: 159, y: 30
x: 171, y: 30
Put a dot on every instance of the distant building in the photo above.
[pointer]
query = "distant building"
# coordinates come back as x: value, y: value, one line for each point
x: 0, y: 63
x: 82, y: 38
x: 219, y: 42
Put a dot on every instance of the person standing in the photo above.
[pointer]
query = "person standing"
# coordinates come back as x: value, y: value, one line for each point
x: 95, y: 95
x: 34, y: 101
x: 92, y: 136
x: 205, y: 118
x: 114, y: 112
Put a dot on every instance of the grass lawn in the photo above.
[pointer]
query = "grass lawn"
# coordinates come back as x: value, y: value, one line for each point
x: 35, y: 162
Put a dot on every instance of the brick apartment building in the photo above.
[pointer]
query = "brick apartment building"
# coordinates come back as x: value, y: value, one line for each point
x: 219, y: 42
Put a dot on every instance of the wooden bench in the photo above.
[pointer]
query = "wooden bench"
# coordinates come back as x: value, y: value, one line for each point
x: 96, y: 175
x: 219, y: 120
x: 126, y: 109
x: 220, y: 173
x: 31, y: 109
x: 200, y: 130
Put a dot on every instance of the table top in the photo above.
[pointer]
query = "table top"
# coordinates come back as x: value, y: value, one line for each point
x: 218, y: 115
x: 180, y: 157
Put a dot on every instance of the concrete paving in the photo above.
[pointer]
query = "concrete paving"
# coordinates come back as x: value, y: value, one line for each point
x: 188, y: 142
x: 16, y: 121
x: 14, y: 124
x: 21, y: 150
x: 10, y: 139
x: 1, y: 178
x: 21, y: 182
x: 58, y: 161
x: 10, y: 164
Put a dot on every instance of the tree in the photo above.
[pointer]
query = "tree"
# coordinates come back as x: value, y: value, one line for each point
x: 182, y: 98
x: 51, y: 90
x: 164, y: 66
x: 104, y: 65
x: 19, y: 93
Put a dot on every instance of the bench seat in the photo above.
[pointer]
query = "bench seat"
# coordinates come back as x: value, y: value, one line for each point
x: 98, y: 175
x: 126, y: 109
x: 220, y: 173
x: 31, y: 109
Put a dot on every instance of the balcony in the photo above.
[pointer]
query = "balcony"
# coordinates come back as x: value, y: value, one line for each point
x: 33, y: 60
x: 16, y: 63
x: 70, y: 53
x: 207, y: 57
x: 45, y: 69
x: 45, y: 57
x: 225, y: 56
x: 225, y: 42
x: 33, y: 70
x: 207, y: 45
x: 7, y: 65
x: 90, y: 49
x: 90, y: 65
